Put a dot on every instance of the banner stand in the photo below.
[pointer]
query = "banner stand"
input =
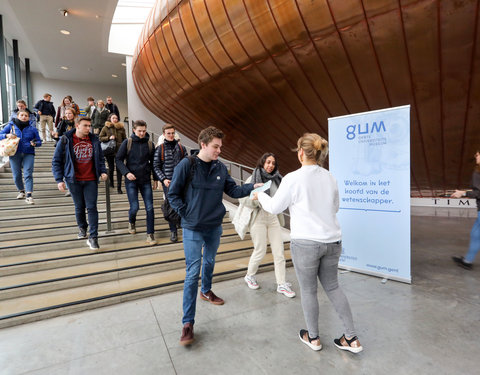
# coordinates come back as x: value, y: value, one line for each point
x: 370, y: 159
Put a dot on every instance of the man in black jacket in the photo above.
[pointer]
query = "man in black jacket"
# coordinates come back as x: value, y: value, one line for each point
x: 46, y: 111
x: 112, y: 107
x: 167, y: 156
x: 135, y: 161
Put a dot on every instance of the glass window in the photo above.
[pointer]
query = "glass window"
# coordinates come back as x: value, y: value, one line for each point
x: 10, y: 72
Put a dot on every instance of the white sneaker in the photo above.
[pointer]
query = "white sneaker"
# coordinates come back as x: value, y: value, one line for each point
x: 286, y: 290
x: 251, y: 282
x: 21, y: 195
x: 29, y: 200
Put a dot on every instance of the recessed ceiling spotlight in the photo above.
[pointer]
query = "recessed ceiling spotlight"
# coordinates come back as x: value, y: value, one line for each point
x: 64, y: 12
x: 65, y: 32
x: 114, y: 76
x: 124, y: 64
x: 64, y: 67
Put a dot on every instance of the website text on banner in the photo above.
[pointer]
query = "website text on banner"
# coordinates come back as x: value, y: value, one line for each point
x: 370, y: 158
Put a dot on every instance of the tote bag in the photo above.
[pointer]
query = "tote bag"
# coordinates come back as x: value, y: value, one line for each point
x: 8, y: 146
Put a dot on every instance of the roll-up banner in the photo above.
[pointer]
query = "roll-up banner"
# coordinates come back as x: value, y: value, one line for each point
x: 370, y: 158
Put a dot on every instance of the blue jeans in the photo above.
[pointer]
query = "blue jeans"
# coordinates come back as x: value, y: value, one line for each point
x: 25, y: 161
x: 193, y: 241
x: 84, y: 195
x: 474, y: 241
x: 173, y: 227
x: 132, y: 188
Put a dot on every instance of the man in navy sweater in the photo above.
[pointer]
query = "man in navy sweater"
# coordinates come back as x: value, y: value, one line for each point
x: 196, y: 193
x: 46, y: 111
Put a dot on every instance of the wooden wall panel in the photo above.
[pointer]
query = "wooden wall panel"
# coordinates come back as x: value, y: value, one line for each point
x: 266, y: 71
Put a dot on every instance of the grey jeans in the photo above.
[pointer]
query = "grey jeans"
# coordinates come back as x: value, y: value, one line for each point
x: 314, y: 259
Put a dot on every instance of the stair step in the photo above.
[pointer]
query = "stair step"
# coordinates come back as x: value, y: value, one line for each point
x: 19, y: 285
x: 18, y: 263
x: 70, y: 242
x: 45, y: 305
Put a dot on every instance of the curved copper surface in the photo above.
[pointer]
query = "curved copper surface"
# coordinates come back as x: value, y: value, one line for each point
x: 266, y: 71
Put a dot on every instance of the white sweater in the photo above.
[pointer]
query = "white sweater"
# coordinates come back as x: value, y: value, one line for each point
x: 311, y: 194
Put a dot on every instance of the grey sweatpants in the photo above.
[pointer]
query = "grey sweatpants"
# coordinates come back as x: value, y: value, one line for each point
x: 314, y: 259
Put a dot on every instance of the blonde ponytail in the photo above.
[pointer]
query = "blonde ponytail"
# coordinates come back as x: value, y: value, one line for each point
x: 314, y: 147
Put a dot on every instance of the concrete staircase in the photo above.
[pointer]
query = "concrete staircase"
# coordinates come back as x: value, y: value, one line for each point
x: 45, y: 271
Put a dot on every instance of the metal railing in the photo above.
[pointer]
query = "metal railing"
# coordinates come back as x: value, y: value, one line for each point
x: 239, y: 173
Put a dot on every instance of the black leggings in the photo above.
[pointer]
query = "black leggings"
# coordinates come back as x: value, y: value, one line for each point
x: 111, y: 166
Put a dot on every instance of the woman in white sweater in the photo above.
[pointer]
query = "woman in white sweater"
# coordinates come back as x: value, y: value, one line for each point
x: 311, y: 194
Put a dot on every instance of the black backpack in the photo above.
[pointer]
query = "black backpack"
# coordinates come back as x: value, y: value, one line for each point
x: 168, y: 212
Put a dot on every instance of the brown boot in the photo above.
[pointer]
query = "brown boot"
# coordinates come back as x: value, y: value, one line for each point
x: 187, y: 334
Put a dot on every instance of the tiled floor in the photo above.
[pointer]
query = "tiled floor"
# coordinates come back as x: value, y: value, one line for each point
x: 429, y: 327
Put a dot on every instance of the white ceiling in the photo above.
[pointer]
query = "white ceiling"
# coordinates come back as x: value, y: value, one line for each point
x: 36, y: 25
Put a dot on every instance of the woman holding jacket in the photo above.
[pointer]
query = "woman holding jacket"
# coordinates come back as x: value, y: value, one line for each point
x: 113, y: 129
x: 24, y: 158
x: 311, y: 195
x: 263, y: 226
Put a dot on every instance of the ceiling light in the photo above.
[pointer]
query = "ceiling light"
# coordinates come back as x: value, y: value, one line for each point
x: 65, y: 13
x: 65, y: 32
x: 114, y: 76
x: 64, y: 67
x: 124, y: 64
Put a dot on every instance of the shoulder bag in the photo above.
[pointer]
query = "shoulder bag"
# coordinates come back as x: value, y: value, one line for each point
x: 8, y: 146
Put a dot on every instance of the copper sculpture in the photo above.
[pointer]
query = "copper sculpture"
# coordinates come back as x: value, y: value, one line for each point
x: 266, y: 71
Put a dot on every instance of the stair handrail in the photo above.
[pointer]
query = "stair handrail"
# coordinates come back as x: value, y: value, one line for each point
x: 241, y: 167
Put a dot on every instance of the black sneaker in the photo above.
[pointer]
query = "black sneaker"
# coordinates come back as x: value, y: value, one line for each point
x: 82, y: 233
x: 313, y: 344
x: 92, y: 242
x: 352, y: 345
x: 461, y: 262
x: 173, y: 236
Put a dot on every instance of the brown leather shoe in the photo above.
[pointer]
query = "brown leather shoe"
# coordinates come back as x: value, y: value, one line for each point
x: 212, y: 298
x: 187, y: 334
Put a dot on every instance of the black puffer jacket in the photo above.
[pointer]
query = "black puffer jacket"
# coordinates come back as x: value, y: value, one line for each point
x: 173, y: 153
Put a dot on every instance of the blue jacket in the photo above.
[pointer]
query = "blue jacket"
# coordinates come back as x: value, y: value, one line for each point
x: 32, y: 119
x: 202, y: 207
x: 63, y: 166
x: 29, y: 133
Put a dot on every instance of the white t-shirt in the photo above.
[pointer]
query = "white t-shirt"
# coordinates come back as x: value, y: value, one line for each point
x: 311, y: 194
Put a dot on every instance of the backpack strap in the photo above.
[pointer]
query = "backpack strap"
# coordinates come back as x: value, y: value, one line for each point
x: 129, y: 145
x: 181, y: 149
x: 193, y: 168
